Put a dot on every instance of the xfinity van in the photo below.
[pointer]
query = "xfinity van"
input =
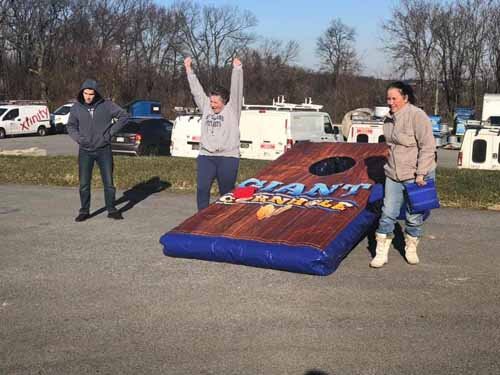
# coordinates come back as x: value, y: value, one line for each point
x: 19, y: 118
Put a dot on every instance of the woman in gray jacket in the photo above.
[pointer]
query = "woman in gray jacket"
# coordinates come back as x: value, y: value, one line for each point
x: 220, y: 133
x: 408, y: 132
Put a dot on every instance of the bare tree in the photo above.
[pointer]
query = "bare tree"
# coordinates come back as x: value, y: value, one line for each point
x: 410, y: 40
x: 214, y: 35
x: 452, y: 41
x: 478, y: 15
x: 335, y: 48
x: 30, y: 29
x: 274, y: 49
x: 493, y: 44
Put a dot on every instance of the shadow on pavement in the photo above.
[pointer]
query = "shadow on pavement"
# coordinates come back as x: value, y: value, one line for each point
x: 136, y: 194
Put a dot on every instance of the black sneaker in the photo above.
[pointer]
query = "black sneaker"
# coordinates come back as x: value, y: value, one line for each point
x: 82, y: 217
x: 117, y: 215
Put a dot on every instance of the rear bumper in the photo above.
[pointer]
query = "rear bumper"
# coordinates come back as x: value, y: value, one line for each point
x: 118, y: 148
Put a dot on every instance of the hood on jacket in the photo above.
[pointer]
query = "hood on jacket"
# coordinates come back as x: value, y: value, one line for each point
x: 90, y: 84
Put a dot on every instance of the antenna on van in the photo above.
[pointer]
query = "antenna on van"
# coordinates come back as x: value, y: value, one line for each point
x: 186, y: 110
x: 280, y: 104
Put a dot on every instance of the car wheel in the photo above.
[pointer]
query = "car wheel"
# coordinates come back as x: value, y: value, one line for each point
x: 42, y: 131
x: 2, y: 133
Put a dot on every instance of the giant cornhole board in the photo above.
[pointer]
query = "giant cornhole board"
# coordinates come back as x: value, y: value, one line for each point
x: 302, y: 213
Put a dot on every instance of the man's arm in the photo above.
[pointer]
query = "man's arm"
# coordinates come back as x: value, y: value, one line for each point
x: 121, y: 115
x: 197, y: 91
x: 72, y: 125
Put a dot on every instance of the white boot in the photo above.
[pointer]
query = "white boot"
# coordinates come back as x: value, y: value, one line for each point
x: 382, y: 251
x: 411, y: 249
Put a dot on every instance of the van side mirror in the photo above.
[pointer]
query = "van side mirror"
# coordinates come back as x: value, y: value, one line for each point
x: 336, y: 130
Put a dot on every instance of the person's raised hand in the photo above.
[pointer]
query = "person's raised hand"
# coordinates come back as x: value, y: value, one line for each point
x: 188, y: 61
x: 236, y: 62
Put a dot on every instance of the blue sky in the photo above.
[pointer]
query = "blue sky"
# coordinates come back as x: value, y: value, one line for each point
x: 304, y: 21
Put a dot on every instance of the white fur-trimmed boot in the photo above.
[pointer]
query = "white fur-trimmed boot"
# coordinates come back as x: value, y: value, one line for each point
x: 382, y: 251
x: 411, y: 249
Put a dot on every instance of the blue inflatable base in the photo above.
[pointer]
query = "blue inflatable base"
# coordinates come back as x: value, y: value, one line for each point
x: 302, y: 259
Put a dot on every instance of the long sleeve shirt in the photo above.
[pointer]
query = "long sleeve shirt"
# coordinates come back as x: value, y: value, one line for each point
x: 220, y: 132
x: 408, y: 132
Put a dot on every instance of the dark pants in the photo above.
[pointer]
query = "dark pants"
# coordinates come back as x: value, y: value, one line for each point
x: 222, y: 168
x: 104, y: 159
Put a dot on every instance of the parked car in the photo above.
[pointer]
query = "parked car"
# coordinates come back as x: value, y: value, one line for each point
x: 59, y: 118
x: 143, y: 137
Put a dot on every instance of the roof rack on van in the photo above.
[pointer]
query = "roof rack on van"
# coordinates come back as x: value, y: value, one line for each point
x: 279, y: 104
x: 186, y: 111
x: 23, y: 102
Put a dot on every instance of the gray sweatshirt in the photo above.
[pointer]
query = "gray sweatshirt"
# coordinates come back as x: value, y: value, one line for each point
x: 91, y: 125
x: 220, y: 132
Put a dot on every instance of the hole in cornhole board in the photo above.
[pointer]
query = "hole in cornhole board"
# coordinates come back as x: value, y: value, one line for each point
x: 331, y: 166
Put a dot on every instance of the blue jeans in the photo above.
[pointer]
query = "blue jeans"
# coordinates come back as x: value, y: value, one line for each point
x: 222, y: 168
x: 393, y: 200
x: 104, y: 159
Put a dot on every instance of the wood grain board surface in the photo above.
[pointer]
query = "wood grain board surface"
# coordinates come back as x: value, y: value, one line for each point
x: 297, y: 225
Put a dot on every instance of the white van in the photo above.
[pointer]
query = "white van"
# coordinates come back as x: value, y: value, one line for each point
x: 366, y: 131
x: 266, y: 131
x: 491, y: 106
x: 365, y: 125
x: 19, y: 118
x: 480, y: 148
x: 59, y: 118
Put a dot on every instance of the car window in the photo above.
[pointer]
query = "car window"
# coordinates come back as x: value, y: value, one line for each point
x: 2, y: 111
x: 327, y: 125
x: 12, y: 114
x: 64, y: 110
x: 130, y: 127
x: 495, y: 120
x: 156, y: 125
x: 479, y: 151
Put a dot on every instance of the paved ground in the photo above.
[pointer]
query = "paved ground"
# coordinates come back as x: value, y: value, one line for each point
x: 99, y: 297
x: 61, y: 144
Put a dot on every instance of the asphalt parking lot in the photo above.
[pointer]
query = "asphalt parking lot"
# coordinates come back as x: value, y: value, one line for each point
x: 61, y: 144
x: 99, y: 297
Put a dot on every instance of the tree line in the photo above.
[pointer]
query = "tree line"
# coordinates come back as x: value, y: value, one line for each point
x: 135, y: 48
x: 449, y: 48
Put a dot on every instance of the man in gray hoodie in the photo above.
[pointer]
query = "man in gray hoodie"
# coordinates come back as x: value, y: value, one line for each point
x: 92, y: 122
x: 220, y: 133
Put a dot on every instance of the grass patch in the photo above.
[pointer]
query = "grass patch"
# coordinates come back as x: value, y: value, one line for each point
x: 456, y: 188
x: 178, y: 173
x: 467, y: 188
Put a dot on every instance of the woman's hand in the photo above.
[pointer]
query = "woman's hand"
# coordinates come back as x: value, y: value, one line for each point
x: 420, y: 181
x: 236, y: 62
x: 188, y: 61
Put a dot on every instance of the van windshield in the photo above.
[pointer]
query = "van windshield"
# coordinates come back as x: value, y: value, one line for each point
x: 64, y: 110
x: 2, y: 111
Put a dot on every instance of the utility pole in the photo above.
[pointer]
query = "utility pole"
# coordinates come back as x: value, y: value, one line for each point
x: 436, y: 103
